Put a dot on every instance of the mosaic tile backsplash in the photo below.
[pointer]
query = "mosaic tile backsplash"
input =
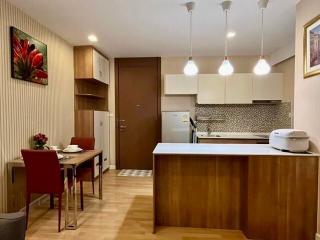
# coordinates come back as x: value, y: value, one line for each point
x: 243, y: 118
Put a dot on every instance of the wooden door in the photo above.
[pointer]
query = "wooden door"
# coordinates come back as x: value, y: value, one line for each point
x: 137, y: 111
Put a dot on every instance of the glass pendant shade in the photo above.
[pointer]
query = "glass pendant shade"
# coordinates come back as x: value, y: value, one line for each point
x: 191, y: 68
x: 226, y: 68
x: 262, y: 67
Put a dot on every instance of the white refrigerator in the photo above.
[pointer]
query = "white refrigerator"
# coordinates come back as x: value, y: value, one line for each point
x: 176, y: 127
x: 102, y: 141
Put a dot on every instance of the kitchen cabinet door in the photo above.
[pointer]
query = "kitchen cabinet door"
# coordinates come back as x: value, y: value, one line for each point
x: 179, y: 84
x: 100, y: 67
x: 211, y: 89
x: 268, y: 87
x: 239, y: 89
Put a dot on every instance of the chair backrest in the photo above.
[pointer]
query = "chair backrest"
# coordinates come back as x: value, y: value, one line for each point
x: 42, y: 171
x: 86, y: 143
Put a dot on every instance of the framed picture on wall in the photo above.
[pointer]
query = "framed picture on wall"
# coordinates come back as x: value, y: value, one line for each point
x: 312, y: 48
x: 28, y: 58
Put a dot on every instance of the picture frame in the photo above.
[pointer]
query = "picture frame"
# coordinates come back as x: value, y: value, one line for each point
x: 29, y: 59
x: 311, y: 48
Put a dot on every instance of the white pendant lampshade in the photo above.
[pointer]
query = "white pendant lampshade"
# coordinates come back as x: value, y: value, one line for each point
x: 226, y: 68
x: 262, y: 67
x: 191, y: 68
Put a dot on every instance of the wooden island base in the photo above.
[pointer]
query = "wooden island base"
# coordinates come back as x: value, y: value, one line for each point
x: 266, y: 197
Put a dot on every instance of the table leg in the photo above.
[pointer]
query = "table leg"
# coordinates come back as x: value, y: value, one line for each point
x: 74, y: 188
x: 72, y: 226
x: 66, y: 188
x: 100, y: 175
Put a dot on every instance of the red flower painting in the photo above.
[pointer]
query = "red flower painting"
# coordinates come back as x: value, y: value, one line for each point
x: 29, y: 58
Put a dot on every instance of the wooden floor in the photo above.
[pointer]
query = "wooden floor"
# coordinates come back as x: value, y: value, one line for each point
x: 125, y: 213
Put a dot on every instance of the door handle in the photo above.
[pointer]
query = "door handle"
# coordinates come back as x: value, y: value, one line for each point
x: 123, y: 127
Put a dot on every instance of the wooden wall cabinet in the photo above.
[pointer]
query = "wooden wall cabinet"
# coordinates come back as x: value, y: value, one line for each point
x: 90, y: 64
x: 211, y: 89
x: 180, y: 84
x: 91, y: 70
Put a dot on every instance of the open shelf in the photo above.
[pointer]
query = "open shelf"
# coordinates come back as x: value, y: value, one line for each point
x: 90, y: 95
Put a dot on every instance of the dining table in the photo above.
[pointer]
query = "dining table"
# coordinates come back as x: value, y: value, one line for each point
x: 70, y: 162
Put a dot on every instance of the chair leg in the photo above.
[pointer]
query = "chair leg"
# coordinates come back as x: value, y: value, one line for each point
x: 28, y: 198
x: 59, y: 211
x: 81, y: 195
x: 51, y: 201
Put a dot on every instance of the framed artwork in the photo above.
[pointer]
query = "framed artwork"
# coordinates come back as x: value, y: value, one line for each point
x: 28, y: 58
x: 311, y: 48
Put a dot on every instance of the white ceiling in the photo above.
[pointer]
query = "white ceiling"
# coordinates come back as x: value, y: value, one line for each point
x: 137, y: 28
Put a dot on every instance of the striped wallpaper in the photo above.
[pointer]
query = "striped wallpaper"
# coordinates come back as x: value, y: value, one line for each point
x: 28, y: 108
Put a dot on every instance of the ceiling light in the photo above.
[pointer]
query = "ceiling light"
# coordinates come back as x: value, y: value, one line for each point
x: 226, y: 68
x: 262, y: 67
x: 93, y: 38
x: 231, y: 34
x: 190, y: 68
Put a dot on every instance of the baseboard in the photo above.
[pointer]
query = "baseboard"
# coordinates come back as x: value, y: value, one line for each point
x: 317, y: 236
x: 43, y: 197
x: 112, y: 167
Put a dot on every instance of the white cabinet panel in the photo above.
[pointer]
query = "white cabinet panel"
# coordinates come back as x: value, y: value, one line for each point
x: 100, y: 67
x: 101, y: 135
x: 268, y: 87
x: 211, y: 89
x: 239, y: 89
x: 176, y: 84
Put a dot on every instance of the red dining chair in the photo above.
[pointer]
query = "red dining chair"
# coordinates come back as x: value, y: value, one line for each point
x: 43, y: 176
x: 85, y: 172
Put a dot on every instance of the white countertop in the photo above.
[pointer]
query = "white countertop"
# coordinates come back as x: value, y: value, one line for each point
x: 221, y: 149
x: 233, y: 135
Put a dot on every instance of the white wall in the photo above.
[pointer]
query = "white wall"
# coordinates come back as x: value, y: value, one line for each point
x: 28, y: 108
x: 307, y: 91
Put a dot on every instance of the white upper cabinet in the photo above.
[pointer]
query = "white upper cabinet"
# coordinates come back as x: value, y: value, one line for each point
x: 211, y: 89
x: 100, y: 67
x: 268, y: 87
x: 239, y: 89
x: 179, y: 84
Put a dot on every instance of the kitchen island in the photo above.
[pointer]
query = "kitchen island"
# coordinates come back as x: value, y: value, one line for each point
x: 265, y: 193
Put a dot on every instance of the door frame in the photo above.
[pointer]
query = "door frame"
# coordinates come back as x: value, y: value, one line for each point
x: 117, y: 129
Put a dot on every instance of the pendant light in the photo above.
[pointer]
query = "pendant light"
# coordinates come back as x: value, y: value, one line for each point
x: 262, y: 67
x: 191, y: 68
x: 226, y: 68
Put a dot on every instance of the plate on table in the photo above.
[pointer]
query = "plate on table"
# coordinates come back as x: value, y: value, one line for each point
x: 60, y: 156
x: 72, y: 150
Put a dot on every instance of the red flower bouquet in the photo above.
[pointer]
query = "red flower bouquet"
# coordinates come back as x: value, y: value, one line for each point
x: 40, y: 140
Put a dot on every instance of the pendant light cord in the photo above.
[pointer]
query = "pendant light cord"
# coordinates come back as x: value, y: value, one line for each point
x: 225, y: 37
x: 190, y: 33
x: 262, y: 32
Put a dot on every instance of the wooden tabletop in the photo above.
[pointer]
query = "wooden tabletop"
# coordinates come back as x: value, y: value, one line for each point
x: 70, y: 158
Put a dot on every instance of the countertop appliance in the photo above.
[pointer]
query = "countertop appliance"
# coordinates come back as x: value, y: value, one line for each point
x: 291, y: 140
x: 176, y: 127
